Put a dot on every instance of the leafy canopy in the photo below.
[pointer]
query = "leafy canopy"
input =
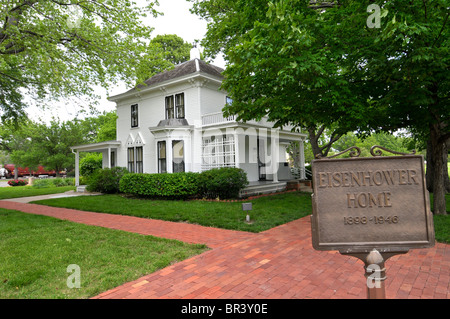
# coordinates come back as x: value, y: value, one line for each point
x: 58, y: 48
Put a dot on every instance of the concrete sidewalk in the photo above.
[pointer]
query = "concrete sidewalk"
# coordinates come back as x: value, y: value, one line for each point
x: 49, y: 196
x: 278, y: 263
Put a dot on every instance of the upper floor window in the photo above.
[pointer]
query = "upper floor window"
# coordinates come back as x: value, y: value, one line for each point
x: 175, y: 106
x: 134, y: 115
x: 179, y: 105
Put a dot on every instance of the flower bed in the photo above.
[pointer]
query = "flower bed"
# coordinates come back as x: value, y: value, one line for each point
x: 17, y: 182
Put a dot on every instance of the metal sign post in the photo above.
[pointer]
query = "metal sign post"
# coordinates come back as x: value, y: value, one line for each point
x: 372, y: 209
x: 247, y: 207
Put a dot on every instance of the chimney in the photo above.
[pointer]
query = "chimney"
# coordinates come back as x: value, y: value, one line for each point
x: 195, y: 52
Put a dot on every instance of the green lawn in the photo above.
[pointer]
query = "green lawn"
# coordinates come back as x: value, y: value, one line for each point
x: 268, y: 212
x: 25, y: 191
x: 36, y: 251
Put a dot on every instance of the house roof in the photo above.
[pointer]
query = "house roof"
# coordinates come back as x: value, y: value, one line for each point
x: 193, y: 66
x: 185, y: 68
x: 182, y: 69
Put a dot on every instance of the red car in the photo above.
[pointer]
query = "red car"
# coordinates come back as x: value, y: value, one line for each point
x: 26, y: 171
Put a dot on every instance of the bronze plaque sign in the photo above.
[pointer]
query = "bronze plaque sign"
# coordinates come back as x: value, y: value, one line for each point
x: 360, y: 204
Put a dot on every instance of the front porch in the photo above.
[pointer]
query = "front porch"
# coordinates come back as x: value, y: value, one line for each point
x: 268, y: 187
x: 108, y: 149
x: 263, y: 187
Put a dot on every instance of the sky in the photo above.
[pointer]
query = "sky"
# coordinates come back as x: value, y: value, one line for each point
x: 176, y: 20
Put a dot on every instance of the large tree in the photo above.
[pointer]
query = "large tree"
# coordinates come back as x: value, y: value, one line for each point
x: 336, y: 67
x: 164, y: 52
x: 34, y: 143
x: 48, y: 145
x: 60, y: 48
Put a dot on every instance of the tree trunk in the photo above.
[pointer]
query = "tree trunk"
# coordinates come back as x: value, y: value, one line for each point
x: 314, y: 138
x: 438, y: 147
x: 430, y: 165
x: 445, y: 162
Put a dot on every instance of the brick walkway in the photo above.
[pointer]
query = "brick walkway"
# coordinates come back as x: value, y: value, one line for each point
x: 278, y: 263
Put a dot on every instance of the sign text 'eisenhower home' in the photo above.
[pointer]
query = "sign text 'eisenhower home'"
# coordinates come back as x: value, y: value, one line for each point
x: 368, y: 178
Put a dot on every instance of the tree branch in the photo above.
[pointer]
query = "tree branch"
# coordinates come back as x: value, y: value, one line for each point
x: 321, y: 5
x: 442, y: 29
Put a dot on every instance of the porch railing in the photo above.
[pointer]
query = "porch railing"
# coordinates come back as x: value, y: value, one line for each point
x: 216, y: 118
x: 219, y: 118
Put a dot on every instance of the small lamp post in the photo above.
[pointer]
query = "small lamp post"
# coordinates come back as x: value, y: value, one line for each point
x: 246, y: 207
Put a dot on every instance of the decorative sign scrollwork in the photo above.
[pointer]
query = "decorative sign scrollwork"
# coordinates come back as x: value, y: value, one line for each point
x: 354, y: 152
x: 374, y: 151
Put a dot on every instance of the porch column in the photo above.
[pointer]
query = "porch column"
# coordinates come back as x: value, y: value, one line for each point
x: 275, y: 150
x: 109, y: 157
x: 236, y: 150
x: 302, y: 160
x: 77, y: 168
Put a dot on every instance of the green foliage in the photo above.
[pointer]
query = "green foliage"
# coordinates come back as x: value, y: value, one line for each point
x: 56, y: 49
x: 37, y: 143
x: 53, y: 182
x: 223, y: 183
x: 168, y: 186
x: 386, y: 140
x: 164, y: 52
x: 90, y: 163
x: 328, y: 68
x: 106, y: 180
x: 107, y: 130
x: 47, y: 144
x: 174, y: 48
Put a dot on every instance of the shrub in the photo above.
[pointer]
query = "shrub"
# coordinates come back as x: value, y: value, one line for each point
x: 106, y: 180
x: 224, y: 183
x: 17, y: 182
x: 42, y: 183
x: 167, y: 186
x: 53, y: 182
x: 90, y: 163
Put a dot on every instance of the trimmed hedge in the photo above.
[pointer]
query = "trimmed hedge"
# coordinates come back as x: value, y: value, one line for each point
x: 224, y: 183
x: 221, y: 183
x: 170, y: 186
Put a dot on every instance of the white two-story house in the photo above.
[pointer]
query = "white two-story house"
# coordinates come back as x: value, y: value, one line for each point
x: 174, y: 123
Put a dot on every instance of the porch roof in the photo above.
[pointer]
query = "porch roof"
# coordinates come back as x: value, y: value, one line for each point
x: 96, y: 147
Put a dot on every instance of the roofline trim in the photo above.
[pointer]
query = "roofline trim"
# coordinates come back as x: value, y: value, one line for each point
x: 157, y: 86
